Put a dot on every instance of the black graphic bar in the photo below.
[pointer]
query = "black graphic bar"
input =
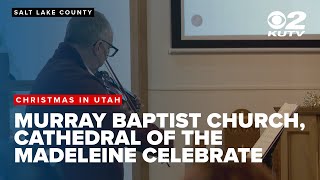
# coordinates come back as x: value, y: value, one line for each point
x: 52, y: 12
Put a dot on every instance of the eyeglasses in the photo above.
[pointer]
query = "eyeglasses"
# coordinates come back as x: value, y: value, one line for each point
x: 112, y: 50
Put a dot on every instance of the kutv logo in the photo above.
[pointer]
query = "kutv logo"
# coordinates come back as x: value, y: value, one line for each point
x: 289, y: 25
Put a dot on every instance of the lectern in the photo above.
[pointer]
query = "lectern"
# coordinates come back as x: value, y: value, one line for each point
x: 296, y: 156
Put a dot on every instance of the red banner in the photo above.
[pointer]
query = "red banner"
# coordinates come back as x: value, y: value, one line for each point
x: 68, y: 99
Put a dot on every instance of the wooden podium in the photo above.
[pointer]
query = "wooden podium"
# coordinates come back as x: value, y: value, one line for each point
x: 296, y: 156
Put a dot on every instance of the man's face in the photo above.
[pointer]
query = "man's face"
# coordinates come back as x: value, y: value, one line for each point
x: 102, y: 47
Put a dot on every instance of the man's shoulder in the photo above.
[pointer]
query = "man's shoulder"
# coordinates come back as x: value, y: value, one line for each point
x: 63, y: 76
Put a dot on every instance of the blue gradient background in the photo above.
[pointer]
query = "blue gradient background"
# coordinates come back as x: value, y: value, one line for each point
x: 31, y: 41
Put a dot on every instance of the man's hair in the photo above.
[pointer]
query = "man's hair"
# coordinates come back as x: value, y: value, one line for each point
x: 85, y: 31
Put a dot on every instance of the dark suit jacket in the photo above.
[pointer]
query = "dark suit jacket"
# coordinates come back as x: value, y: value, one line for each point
x: 65, y: 73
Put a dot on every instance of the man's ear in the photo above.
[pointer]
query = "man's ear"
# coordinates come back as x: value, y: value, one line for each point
x: 96, y: 47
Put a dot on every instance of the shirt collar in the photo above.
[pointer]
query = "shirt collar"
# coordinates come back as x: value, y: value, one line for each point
x: 89, y: 69
x: 65, y: 50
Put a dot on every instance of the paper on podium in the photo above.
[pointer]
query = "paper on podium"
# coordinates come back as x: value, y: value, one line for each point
x: 270, y: 135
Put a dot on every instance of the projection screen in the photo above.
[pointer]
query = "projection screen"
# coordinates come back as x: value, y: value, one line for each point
x: 251, y: 23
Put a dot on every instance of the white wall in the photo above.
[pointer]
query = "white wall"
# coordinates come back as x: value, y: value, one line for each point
x: 219, y: 82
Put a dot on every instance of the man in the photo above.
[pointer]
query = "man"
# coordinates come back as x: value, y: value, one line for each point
x: 87, y: 44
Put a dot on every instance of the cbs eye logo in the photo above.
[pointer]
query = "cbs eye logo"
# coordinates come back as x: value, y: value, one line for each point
x: 291, y: 24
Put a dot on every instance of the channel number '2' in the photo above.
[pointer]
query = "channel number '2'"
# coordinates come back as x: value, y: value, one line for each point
x: 277, y: 20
